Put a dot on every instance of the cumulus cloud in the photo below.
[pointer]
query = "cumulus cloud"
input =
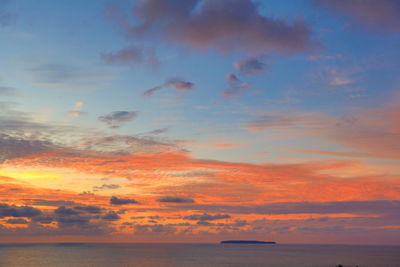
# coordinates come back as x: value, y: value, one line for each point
x: 225, y: 25
x: 65, y: 211
x: 122, y: 201
x: 252, y: 66
x: 376, y: 15
x: 169, y: 199
x: 132, y: 56
x: 18, y: 211
x: 207, y: 217
x: 178, y: 84
x: 117, y: 118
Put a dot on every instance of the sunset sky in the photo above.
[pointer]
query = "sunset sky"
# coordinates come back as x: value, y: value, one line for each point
x: 200, y: 120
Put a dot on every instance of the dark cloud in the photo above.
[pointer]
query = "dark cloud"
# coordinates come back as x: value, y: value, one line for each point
x: 82, y: 220
x: 16, y: 221
x: 43, y: 219
x: 63, y: 211
x: 111, y: 216
x: 73, y: 221
x: 169, y: 199
x: 235, y: 86
x: 89, y: 209
x: 225, y: 25
x: 207, y: 217
x: 117, y: 118
x: 122, y: 201
x: 384, y: 207
x: 178, y: 84
x: 250, y: 66
x: 381, y: 15
x: 132, y: 56
x: 18, y: 211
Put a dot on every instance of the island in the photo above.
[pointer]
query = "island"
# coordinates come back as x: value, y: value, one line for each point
x: 246, y: 242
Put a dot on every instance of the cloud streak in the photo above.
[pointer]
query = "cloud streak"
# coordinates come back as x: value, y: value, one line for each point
x: 132, y: 56
x: 116, y: 119
x: 178, y: 84
x: 375, y: 15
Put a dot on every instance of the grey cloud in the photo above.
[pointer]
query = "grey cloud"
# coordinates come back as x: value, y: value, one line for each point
x: 178, y: 84
x: 16, y: 221
x: 381, y: 15
x: 252, y: 66
x: 18, y: 211
x: 111, y: 216
x: 382, y: 207
x: 122, y: 201
x: 159, y: 131
x: 7, y: 91
x: 66, y: 76
x: 13, y: 146
x: 45, y: 202
x: 63, y: 211
x: 117, y: 118
x: 43, y: 219
x: 89, y: 209
x: 70, y: 221
x: 52, y: 73
x: 132, y: 56
x: 169, y: 199
x: 225, y: 25
x: 207, y: 217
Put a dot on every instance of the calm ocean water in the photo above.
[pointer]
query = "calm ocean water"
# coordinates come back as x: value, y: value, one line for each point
x: 192, y: 255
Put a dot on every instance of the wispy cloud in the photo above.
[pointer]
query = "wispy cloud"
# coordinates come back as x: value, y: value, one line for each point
x: 375, y: 15
x: 178, y: 84
x: 117, y: 118
x: 236, y: 86
x: 132, y: 56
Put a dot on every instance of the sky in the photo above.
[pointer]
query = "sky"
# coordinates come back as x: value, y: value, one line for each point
x: 200, y: 120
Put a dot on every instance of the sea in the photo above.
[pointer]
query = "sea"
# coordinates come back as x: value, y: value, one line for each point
x: 193, y: 255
